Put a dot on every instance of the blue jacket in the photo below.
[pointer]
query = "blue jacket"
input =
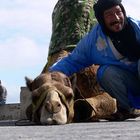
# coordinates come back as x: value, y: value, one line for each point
x: 96, y: 48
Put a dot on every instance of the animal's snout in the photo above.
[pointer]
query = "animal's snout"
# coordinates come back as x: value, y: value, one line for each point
x: 53, y: 106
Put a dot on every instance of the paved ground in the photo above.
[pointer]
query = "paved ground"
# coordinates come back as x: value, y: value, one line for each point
x: 127, y: 130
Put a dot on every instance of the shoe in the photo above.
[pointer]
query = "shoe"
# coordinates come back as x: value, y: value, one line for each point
x: 135, y: 112
x: 122, y: 115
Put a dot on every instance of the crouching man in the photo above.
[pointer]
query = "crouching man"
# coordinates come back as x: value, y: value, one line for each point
x: 114, y: 44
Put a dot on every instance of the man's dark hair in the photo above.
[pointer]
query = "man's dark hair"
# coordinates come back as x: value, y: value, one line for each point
x: 101, y: 5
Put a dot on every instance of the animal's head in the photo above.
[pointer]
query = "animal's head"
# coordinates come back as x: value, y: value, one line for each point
x: 52, y: 99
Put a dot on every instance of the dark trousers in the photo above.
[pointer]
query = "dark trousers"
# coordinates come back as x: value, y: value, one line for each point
x: 122, y: 85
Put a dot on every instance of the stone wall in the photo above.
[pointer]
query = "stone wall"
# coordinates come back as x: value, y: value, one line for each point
x: 16, y: 111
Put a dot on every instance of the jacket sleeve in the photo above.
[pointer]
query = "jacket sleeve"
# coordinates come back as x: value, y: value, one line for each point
x: 77, y: 60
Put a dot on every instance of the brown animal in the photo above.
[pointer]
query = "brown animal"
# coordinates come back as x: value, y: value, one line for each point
x: 52, y: 99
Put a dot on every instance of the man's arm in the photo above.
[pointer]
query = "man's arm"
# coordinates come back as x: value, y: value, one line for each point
x: 76, y: 60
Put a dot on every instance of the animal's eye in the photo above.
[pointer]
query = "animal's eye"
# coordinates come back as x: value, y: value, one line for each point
x: 58, y: 105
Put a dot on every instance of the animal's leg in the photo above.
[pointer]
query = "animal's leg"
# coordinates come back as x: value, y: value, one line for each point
x: 98, y: 107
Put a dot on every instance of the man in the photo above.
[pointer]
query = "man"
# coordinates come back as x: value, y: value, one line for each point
x: 3, y: 94
x: 114, y: 44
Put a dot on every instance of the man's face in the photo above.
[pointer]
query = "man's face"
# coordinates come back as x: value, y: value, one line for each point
x: 114, y: 18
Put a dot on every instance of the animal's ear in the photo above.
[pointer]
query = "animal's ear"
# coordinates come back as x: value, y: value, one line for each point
x: 67, y: 82
x: 29, y: 83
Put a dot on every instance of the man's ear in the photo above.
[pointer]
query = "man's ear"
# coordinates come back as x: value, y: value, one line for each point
x: 29, y: 83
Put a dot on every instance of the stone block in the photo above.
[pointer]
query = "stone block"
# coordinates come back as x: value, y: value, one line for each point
x: 16, y: 111
x: 25, y: 101
x: 10, y: 111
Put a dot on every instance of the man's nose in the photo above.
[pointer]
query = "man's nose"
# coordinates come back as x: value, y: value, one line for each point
x: 116, y: 16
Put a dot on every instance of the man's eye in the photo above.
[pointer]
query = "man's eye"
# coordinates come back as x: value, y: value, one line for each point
x: 119, y: 12
x: 108, y: 15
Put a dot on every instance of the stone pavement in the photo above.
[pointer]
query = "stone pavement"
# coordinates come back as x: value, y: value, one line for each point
x: 127, y: 130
